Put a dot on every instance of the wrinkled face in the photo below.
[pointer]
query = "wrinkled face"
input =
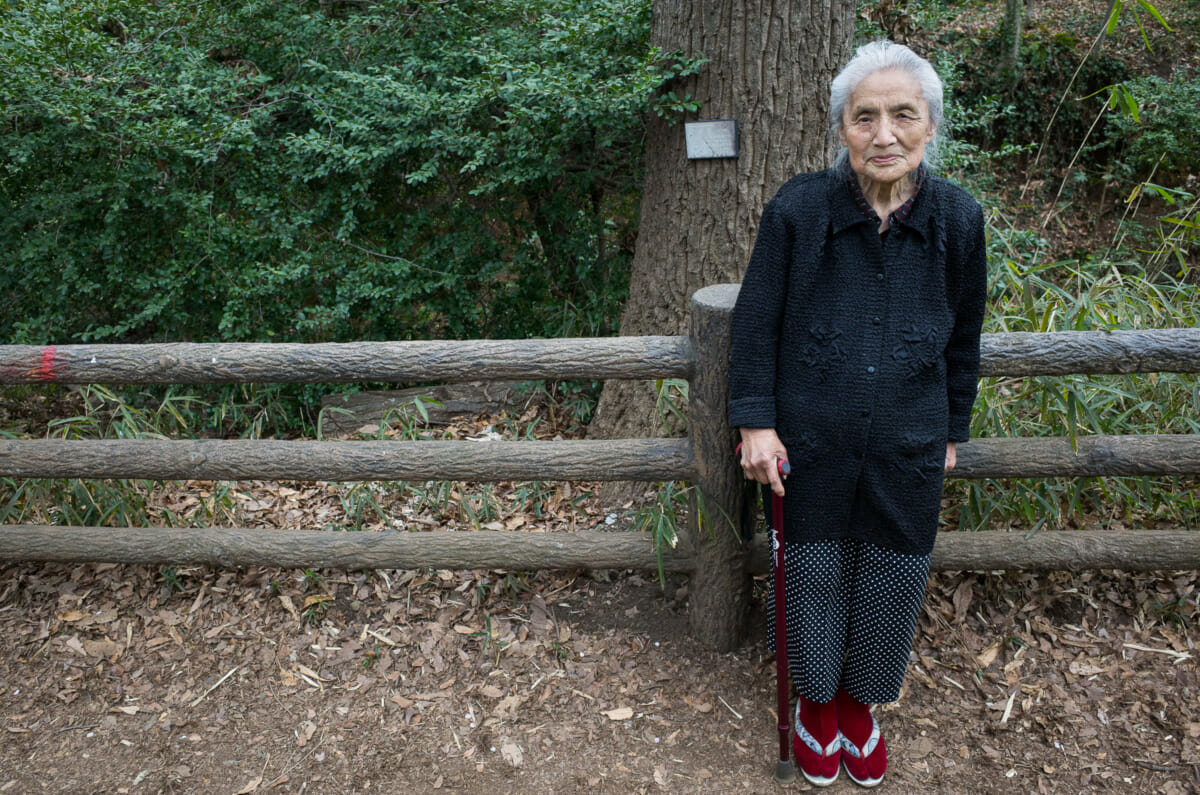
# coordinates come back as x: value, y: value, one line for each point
x: 885, y: 126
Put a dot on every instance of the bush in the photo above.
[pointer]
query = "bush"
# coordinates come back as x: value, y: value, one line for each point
x: 320, y: 171
x: 1159, y: 140
x: 1047, y: 65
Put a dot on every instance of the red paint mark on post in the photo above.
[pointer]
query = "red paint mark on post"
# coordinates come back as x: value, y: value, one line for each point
x: 45, y: 371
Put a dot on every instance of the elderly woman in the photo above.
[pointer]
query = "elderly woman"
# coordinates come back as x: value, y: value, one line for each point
x: 855, y: 359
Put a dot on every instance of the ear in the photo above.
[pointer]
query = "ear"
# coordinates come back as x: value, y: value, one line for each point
x: 931, y: 133
x: 842, y: 134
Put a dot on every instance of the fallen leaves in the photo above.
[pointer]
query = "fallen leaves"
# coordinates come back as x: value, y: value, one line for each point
x: 988, y: 656
x: 509, y: 706
x: 290, y: 606
x: 512, y: 754
x: 466, y: 669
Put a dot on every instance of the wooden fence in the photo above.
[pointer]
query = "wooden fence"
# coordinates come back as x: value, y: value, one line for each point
x: 713, y: 555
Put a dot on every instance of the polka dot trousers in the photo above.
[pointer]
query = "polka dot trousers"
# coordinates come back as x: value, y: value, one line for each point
x: 852, y: 608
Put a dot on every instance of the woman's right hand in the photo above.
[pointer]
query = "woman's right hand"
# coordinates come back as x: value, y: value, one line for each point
x: 761, y: 453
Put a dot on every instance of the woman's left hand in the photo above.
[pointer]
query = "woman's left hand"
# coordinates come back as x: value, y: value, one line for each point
x: 951, y: 455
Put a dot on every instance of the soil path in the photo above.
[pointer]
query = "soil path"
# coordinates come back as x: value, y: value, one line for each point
x: 116, y: 679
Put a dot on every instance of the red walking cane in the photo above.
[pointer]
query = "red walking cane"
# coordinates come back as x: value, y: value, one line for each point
x: 785, y: 771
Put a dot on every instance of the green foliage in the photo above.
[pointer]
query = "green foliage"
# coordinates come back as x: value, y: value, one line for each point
x: 1152, y: 139
x: 969, y: 119
x: 1027, y: 295
x: 320, y: 171
x: 1174, y: 239
x: 660, y: 519
x: 1048, y: 64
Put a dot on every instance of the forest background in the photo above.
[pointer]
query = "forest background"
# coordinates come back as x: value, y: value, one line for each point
x: 338, y: 171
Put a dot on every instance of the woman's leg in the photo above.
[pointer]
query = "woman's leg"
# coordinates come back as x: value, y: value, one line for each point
x: 816, y: 638
x: 888, y: 589
x: 816, y: 617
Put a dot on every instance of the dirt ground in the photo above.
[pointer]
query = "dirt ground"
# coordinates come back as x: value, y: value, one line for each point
x: 116, y: 678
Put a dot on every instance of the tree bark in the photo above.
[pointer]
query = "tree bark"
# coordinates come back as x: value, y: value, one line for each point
x: 1015, y: 353
x: 1087, y: 456
x: 770, y: 63
x: 1025, y: 353
x: 1010, y: 34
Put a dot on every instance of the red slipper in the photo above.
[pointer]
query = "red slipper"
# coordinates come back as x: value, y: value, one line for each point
x: 864, y: 753
x: 817, y: 743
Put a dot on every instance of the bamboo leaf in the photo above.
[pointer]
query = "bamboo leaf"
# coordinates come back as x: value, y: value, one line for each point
x: 1114, y: 14
x: 1153, y: 11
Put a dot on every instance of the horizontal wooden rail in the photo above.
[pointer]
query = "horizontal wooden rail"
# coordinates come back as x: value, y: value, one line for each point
x: 235, y: 363
x: 1013, y: 354
x: 599, y: 460
x: 215, y: 459
x: 1021, y: 353
x: 1049, y: 550
x: 715, y: 559
x: 1053, y: 550
x: 1092, y: 456
x: 1006, y: 354
x: 292, y: 548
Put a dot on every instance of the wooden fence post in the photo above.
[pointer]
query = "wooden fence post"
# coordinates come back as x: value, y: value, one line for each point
x: 719, y: 590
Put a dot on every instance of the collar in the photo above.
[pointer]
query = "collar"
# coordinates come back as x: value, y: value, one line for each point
x: 848, y: 206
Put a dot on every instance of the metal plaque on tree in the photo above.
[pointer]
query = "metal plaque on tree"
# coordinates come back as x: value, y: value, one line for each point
x: 711, y: 139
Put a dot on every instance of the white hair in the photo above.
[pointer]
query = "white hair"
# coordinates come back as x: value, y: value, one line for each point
x: 878, y: 56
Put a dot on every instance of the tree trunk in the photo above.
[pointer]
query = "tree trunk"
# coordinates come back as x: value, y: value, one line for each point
x: 770, y: 63
x: 1010, y: 34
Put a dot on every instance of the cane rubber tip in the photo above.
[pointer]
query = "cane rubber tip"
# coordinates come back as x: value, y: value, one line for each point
x: 785, y: 772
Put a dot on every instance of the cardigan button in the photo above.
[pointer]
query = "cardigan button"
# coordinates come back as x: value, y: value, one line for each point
x: 879, y: 276
x: 875, y: 320
x: 871, y: 369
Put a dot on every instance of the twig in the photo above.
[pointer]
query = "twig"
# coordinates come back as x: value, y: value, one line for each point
x: 736, y: 714
x: 1179, y: 656
x: 1159, y: 768
x: 1008, y: 708
x: 294, y: 764
x: 214, y: 687
x: 381, y: 638
x: 77, y: 728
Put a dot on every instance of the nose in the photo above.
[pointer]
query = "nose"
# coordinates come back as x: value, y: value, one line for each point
x: 885, y: 135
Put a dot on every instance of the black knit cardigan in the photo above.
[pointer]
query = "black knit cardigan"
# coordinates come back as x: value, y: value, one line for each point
x: 862, y: 352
